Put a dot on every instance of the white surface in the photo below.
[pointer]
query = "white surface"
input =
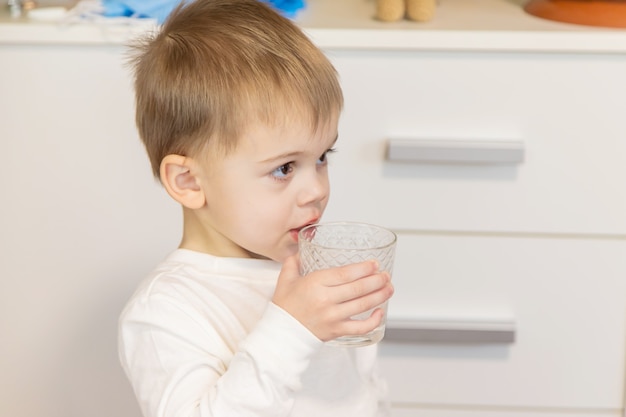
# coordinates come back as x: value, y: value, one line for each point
x: 567, y: 298
x: 567, y: 109
x: 458, y: 25
x: 492, y: 25
x: 82, y: 222
x: 429, y: 410
x: 47, y: 14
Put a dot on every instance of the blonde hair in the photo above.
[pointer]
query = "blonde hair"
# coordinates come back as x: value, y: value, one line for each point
x: 215, y: 67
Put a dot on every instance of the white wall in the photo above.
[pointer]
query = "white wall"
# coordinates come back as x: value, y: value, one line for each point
x: 81, y: 222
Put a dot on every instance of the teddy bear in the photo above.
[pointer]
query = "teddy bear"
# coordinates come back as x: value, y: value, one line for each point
x: 417, y: 10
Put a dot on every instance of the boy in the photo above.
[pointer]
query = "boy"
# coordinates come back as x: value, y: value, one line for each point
x: 238, y: 112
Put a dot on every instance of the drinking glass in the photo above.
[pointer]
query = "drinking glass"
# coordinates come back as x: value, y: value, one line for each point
x: 329, y: 245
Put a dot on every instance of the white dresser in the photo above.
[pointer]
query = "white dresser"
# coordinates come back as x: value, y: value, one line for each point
x: 505, y: 180
x: 494, y: 143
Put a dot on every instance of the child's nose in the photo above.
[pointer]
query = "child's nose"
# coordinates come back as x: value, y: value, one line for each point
x: 315, y: 189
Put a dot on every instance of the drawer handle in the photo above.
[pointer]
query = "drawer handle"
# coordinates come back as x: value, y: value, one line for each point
x: 455, y: 151
x: 450, y: 332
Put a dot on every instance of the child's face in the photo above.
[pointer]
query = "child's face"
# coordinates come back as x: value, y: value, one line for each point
x: 261, y: 194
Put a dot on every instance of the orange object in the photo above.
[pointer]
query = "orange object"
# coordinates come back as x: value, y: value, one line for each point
x: 606, y: 13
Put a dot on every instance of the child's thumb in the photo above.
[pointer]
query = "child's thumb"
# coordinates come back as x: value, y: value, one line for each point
x: 291, y: 268
x: 289, y: 274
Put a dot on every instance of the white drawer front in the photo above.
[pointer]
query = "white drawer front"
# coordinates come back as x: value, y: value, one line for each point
x: 565, y: 297
x: 427, y: 411
x: 566, y: 111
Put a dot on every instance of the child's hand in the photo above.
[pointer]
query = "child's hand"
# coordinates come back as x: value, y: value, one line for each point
x: 323, y: 301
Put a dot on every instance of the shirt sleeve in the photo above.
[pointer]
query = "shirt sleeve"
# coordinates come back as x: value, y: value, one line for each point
x: 180, y: 366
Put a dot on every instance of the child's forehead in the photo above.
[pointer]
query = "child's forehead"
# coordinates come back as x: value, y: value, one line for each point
x: 292, y: 117
x: 290, y: 134
x: 262, y: 135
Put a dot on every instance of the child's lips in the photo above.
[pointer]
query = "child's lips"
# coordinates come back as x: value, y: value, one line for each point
x: 294, y: 232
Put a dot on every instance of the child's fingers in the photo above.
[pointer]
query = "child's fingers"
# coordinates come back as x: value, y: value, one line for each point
x: 365, y: 302
x: 364, y: 326
x: 290, y: 268
x: 347, y: 273
x: 360, y: 287
x: 324, y: 301
x: 287, y: 279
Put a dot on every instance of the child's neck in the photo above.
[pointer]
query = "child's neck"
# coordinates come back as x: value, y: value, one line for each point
x: 200, y: 236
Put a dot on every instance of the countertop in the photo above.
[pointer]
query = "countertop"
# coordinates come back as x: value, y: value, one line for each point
x: 483, y: 25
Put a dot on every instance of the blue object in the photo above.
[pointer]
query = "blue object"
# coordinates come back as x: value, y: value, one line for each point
x: 161, y: 9
x: 288, y: 7
x: 155, y: 9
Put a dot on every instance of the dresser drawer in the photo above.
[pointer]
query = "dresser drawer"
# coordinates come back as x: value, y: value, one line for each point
x: 435, y: 411
x: 565, y: 298
x: 572, y: 130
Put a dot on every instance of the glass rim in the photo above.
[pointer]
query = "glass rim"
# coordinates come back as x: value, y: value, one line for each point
x: 302, y: 232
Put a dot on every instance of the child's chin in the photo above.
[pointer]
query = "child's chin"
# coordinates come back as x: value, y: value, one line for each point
x: 289, y: 251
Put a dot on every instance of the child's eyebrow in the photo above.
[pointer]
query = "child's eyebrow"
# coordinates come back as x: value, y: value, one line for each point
x: 288, y: 155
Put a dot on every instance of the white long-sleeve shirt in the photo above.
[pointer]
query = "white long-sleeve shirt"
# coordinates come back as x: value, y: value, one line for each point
x: 200, y: 337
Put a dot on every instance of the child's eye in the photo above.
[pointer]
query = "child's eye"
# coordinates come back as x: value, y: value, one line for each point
x: 323, y: 159
x: 282, y: 171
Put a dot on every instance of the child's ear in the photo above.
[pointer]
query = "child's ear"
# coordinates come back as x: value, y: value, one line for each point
x: 181, y: 184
